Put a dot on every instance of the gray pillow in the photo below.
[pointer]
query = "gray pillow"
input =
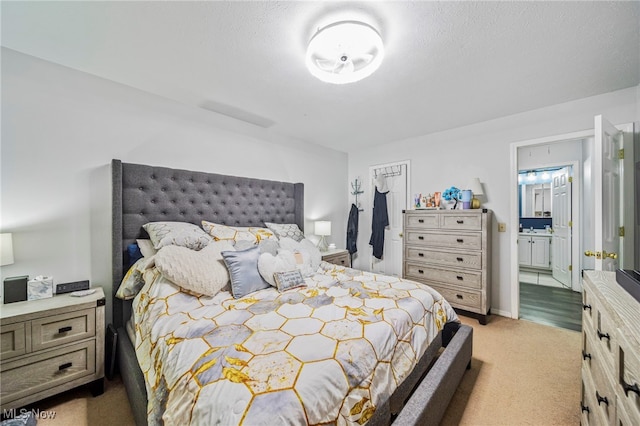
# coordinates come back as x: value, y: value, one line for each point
x: 243, y: 270
x: 178, y: 234
x: 285, y: 230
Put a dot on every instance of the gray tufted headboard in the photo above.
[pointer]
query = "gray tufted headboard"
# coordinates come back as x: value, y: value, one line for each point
x: 144, y: 194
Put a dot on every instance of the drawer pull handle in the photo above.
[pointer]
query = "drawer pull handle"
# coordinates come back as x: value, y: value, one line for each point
x: 420, y: 237
x: 420, y: 271
x: 460, y: 221
x: 584, y: 408
x: 420, y: 254
x: 459, y: 259
x: 65, y: 366
x: 602, y: 399
x: 64, y: 329
x: 603, y: 335
x: 459, y: 277
x: 420, y: 220
x: 633, y: 388
x: 459, y: 296
x: 460, y: 240
x: 585, y: 307
x: 585, y: 355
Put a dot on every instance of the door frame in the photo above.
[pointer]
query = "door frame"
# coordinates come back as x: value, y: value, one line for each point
x: 576, y: 212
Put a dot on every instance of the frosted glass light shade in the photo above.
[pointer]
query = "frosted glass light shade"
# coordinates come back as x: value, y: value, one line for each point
x: 344, y: 52
x: 6, y: 249
x: 323, y: 227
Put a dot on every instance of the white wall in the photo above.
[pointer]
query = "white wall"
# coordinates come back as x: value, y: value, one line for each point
x: 62, y: 127
x: 482, y: 150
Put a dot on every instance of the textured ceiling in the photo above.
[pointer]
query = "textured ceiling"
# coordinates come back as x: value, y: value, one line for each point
x: 447, y: 64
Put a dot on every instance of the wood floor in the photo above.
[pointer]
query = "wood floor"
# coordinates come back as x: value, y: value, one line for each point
x: 557, y: 307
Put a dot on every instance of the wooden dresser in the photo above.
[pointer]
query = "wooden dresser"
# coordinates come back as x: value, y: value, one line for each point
x: 450, y: 250
x: 610, y: 352
x: 337, y: 257
x: 50, y: 346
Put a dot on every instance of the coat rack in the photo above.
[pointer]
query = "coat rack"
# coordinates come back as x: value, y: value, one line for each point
x: 356, y: 190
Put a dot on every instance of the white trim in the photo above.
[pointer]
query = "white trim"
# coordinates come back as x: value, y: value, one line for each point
x: 500, y: 312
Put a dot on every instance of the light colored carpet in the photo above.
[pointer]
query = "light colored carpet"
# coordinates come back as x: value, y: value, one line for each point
x: 522, y: 373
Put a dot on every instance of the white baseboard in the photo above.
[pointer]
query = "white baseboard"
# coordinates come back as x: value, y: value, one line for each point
x: 501, y: 313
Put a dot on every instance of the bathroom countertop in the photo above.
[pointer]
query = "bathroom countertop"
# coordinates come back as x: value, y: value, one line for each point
x: 542, y: 233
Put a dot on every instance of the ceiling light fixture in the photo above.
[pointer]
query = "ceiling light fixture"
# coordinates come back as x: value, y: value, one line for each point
x: 344, y: 52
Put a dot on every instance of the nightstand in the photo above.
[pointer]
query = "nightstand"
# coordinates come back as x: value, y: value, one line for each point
x: 337, y: 257
x: 50, y: 346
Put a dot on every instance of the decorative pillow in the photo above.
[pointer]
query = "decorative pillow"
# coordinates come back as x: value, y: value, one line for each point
x: 182, y: 234
x: 289, y: 279
x: 133, y: 280
x: 269, y: 264
x: 286, y: 230
x: 237, y: 233
x: 311, y: 256
x: 199, y: 272
x: 146, y: 248
x: 243, y: 269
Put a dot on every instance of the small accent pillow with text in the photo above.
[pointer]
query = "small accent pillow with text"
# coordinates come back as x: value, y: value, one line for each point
x: 289, y: 279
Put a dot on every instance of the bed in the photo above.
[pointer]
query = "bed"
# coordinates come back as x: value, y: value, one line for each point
x: 419, y: 376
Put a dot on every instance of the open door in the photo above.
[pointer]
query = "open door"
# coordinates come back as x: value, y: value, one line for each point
x: 561, y: 237
x: 608, y: 197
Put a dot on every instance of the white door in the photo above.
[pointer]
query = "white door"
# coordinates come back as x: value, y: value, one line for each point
x: 607, y: 195
x: 561, y: 237
x: 391, y: 262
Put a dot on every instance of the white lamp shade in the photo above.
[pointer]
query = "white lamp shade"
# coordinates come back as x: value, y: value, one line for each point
x: 475, y: 186
x: 6, y: 249
x: 323, y: 227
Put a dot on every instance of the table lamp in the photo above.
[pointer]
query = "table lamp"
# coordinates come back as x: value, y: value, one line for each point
x: 323, y: 229
x: 476, y: 187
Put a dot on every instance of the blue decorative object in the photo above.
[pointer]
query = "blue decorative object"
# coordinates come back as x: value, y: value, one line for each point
x: 452, y: 194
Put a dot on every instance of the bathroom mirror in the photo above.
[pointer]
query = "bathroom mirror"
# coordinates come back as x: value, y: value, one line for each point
x: 535, y: 200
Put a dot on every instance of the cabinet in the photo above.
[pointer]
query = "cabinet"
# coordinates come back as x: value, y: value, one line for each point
x: 534, y: 251
x: 337, y: 257
x: 450, y: 250
x: 50, y: 346
x: 610, y: 352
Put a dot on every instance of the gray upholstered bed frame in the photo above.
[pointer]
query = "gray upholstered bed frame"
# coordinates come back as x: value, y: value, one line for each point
x: 144, y: 194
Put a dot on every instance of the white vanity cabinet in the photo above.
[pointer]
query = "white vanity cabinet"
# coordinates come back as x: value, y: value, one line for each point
x: 535, y: 250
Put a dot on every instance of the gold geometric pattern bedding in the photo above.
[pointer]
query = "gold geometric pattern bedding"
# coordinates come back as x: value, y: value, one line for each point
x: 325, y: 354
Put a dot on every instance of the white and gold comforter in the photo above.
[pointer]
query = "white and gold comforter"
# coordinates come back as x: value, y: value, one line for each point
x: 325, y: 354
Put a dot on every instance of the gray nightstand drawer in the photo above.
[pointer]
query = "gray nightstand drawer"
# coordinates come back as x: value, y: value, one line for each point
x: 33, y: 374
x: 13, y: 340
x: 340, y: 257
x: 55, y: 330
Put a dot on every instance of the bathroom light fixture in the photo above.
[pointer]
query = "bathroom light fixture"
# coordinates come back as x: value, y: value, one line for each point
x: 322, y: 228
x: 344, y: 52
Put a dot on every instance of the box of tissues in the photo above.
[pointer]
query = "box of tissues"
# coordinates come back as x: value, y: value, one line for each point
x: 40, y: 288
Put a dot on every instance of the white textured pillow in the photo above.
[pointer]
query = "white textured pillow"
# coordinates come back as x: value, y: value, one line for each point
x: 286, y: 230
x: 146, y: 248
x: 183, y: 234
x: 237, y: 233
x: 269, y: 264
x: 310, y: 254
x: 200, y: 272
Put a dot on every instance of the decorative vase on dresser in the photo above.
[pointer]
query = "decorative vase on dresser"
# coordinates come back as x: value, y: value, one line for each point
x: 450, y: 250
x: 610, y: 352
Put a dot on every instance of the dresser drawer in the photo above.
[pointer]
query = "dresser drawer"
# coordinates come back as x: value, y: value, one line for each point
x: 469, y: 300
x: 462, y: 222
x: 55, y: 330
x: 422, y: 221
x: 587, y: 402
x: 467, y: 279
x: 13, y: 340
x: 624, y: 416
x: 588, y: 309
x: 468, y: 241
x: 444, y: 258
x: 628, y: 367
x: 338, y: 259
x: 33, y: 374
x: 605, y: 336
x: 589, y: 354
x: 604, y: 394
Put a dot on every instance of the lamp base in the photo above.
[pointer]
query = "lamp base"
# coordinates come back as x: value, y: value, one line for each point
x: 475, y: 203
x: 322, y: 244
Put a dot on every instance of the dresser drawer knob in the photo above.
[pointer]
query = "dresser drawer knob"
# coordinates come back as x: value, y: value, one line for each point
x: 65, y: 329
x: 460, y: 240
x: 420, y: 237
x: 420, y: 220
x: 460, y: 221
x: 65, y: 366
x: 420, y: 271
x: 459, y: 259
x: 420, y: 254
x: 633, y: 388
x: 585, y: 307
x: 603, y: 335
x: 459, y: 296
x: 584, y: 408
x: 601, y: 399
x: 460, y: 277
x: 585, y: 355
